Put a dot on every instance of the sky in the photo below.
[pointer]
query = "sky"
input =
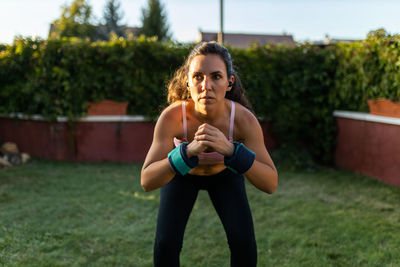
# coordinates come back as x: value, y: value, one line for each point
x: 305, y: 20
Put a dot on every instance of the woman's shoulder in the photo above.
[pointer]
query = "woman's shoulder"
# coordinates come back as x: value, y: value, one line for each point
x: 172, y: 112
x: 246, y: 122
x: 169, y: 122
x: 244, y: 115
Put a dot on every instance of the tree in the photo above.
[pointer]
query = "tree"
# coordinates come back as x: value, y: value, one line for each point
x: 154, y: 21
x: 75, y: 21
x: 112, y: 17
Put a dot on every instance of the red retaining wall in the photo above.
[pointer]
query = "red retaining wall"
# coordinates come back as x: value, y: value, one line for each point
x: 370, y: 145
x: 116, y: 141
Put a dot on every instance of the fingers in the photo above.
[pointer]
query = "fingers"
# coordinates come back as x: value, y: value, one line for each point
x: 207, y: 129
x: 204, y: 128
x: 194, y: 148
x: 211, y: 137
x: 207, y: 132
x: 205, y: 137
x: 221, y: 146
x: 206, y: 144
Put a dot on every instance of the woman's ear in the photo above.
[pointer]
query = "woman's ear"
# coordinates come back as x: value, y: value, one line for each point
x: 231, y: 80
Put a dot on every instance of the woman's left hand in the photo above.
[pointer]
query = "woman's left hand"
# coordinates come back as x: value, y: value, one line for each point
x: 213, y: 138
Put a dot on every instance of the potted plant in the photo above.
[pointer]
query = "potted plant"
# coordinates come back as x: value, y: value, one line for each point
x: 384, y: 107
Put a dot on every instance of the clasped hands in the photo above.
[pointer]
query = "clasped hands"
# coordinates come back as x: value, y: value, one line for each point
x: 208, y: 137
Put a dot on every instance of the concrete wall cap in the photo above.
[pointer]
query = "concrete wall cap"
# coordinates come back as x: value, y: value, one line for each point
x: 366, y: 117
x: 83, y: 119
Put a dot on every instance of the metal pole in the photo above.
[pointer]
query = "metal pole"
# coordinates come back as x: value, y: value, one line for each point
x: 221, y: 30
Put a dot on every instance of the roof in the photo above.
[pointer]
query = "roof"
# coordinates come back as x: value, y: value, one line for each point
x: 329, y: 41
x: 243, y: 40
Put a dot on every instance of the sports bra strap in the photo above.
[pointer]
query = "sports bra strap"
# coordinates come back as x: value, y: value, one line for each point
x: 184, y: 120
x: 232, y: 121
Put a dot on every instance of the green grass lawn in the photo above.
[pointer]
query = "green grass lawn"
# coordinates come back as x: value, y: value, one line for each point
x: 96, y: 214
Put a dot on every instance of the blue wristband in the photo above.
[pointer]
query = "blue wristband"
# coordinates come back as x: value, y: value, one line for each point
x: 179, y: 160
x: 242, y: 159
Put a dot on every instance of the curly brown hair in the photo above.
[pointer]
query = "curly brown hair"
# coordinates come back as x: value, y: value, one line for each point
x: 177, y: 89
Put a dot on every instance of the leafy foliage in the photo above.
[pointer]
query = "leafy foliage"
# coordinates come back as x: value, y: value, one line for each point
x: 17, y: 65
x: 289, y: 86
x: 154, y: 21
x: 112, y: 18
x: 295, y: 88
x: 57, y: 77
x: 367, y: 70
x: 75, y: 21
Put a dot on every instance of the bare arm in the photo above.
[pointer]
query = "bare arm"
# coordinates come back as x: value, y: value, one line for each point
x: 156, y: 170
x: 262, y: 173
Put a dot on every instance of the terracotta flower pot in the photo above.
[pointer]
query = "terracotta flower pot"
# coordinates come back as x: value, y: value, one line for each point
x: 384, y: 107
x: 107, y: 107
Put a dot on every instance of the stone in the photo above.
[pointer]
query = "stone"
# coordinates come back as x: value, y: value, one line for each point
x: 9, y: 148
x: 25, y: 157
x: 14, y: 159
x: 4, y: 163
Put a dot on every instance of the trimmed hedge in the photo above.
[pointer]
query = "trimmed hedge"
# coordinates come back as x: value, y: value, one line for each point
x: 57, y: 77
x: 295, y: 88
x: 367, y: 70
x: 290, y: 87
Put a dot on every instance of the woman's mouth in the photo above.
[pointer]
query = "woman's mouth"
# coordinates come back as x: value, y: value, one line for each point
x: 206, y: 97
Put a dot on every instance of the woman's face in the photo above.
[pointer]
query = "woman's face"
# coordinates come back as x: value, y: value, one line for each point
x: 208, y: 82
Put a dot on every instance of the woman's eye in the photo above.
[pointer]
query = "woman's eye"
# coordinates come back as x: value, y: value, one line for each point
x: 217, y: 77
x: 197, y: 77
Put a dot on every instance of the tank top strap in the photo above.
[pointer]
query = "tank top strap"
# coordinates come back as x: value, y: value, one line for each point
x: 184, y: 121
x: 232, y: 121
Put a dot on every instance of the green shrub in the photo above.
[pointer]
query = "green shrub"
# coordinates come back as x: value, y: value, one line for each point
x: 295, y: 88
x: 367, y: 69
x: 289, y: 86
x: 17, y: 64
x: 57, y: 77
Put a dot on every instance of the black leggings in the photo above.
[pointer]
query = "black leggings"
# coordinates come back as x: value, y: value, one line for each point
x: 228, y: 195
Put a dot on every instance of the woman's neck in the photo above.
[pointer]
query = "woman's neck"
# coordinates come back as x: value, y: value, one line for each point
x: 208, y: 114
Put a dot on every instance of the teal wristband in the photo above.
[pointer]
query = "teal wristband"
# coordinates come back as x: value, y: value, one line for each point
x: 242, y: 159
x: 179, y: 161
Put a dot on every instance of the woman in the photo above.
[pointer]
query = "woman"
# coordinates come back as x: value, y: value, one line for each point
x: 193, y: 149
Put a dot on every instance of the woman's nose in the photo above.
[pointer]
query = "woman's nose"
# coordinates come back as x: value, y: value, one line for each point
x: 206, y: 84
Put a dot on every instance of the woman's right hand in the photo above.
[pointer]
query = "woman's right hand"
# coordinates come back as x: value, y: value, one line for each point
x: 194, y: 148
